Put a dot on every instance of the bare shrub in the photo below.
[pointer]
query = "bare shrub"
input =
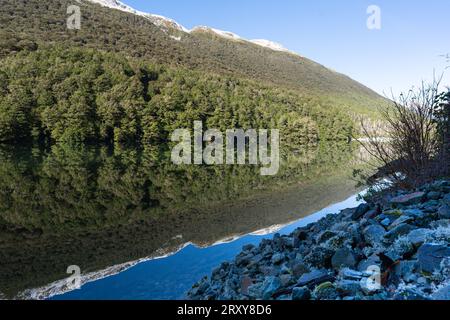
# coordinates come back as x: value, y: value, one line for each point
x: 406, y: 148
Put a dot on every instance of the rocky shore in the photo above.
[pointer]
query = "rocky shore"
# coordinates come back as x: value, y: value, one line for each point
x: 395, y: 248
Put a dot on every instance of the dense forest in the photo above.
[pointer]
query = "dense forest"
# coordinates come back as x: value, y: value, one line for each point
x: 82, y: 95
x: 33, y: 24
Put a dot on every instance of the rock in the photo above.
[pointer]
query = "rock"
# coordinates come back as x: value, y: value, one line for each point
x: 286, y: 280
x: 386, y: 222
x: 326, y: 235
x: 446, y: 199
x: 344, y: 258
x: 415, y: 213
x: 319, y: 257
x: 314, y: 278
x: 443, y: 294
x: 408, y: 199
x: 373, y: 260
x: 360, y: 211
x: 404, y: 269
x: 326, y: 291
x: 371, y: 214
x: 430, y: 257
x: 373, y: 234
x: 409, y: 294
x: 248, y: 247
x: 270, y: 286
x: 403, y: 219
x: 299, y: 269
x: 255, y: 291
x: 444, y: 223
x: 299, y: 294
x: 434, y: 195
x: 277, y: 258
x: 399, y: 231
x: 418, y: 237
x: 348, y: 287
x: 444, y: 212
x: 351, y: 274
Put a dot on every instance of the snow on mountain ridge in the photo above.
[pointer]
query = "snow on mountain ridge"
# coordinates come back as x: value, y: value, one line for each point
x: 165, y: 22
x: 270, y: 44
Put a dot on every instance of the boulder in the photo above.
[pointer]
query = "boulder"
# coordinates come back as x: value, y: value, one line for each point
x: 277, y: 258
x: 443, y: 294
x: 408, y: 199
x: 373, y: 234
x: 299, y: 294
x: 446, y: 199
x: 418, y: 237
x: 444, y: 212
x: 314, y: 278
x: 270, y: 286
x: 360, y: 211
x: 400, y: 230
x: 403, y: 219
x: 344, y: 257
x: 430, y: 257
x: 319, y: 257
x: 326, y: 291
x: 434, y: 195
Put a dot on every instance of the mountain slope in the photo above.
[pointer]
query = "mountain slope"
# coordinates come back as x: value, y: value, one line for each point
x: 42, y: 23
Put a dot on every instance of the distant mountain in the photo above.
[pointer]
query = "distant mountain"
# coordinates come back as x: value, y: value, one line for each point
x: 113, y: 26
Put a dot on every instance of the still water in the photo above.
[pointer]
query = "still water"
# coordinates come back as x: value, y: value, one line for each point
x: 140, y: 227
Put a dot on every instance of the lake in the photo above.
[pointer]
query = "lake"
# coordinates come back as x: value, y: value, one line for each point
x: 140, y: 227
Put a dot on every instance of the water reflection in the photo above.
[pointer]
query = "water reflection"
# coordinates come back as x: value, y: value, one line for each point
x: 101, y: 207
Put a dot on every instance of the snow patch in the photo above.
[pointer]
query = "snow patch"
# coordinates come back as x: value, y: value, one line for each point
x: 156, y: 19
x: 269, y: 44
x: 164, y: 22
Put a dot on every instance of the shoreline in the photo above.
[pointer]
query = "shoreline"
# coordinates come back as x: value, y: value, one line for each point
x: 395, y: 249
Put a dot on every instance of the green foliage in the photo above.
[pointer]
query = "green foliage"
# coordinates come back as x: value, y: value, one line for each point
x: 32, y: 24
x: 82, y: 95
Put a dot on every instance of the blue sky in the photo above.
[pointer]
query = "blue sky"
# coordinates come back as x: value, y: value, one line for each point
x: 334, y: 33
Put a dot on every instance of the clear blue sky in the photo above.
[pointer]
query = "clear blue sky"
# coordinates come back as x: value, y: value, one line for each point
x: 334, y: 33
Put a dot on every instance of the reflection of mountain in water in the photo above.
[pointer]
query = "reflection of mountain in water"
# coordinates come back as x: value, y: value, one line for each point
x: 97, y: 207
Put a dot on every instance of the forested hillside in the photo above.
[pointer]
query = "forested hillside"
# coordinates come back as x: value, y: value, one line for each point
x: 87, y: 95
x: 31, y: 24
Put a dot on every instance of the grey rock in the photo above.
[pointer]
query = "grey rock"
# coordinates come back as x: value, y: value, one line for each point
x: 444, y: 223
x: 409, y: 294
x: 360, y: 211
x: 248, y: 247
x: 415, y: 213
x: 443, y: 294
x: 348, y: 287
x: 418, y: 237
x: 404, y: 269
x: 299, y: 268
x: 351, y: 274
x: 408, y: 199
x: 255, y: 291
x: 373, y: 260
x: 444, y: 212
x: 326, y: 235
x: 277, y: 258
x: 434, y: 195
x: 344, y: 258
x: 314, y: 278
x: 386, y: 222
x: 399, y: 231
x: 319, y: 257
x: 430, y: 257
x: 270, y: 287
x: 403, y: 219
x: 373, y: 234
x: 299, y: 294
x: 446, y: 199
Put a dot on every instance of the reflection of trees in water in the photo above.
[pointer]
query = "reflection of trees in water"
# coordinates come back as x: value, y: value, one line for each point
x: 67, y: 188
x: 98, y: 207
